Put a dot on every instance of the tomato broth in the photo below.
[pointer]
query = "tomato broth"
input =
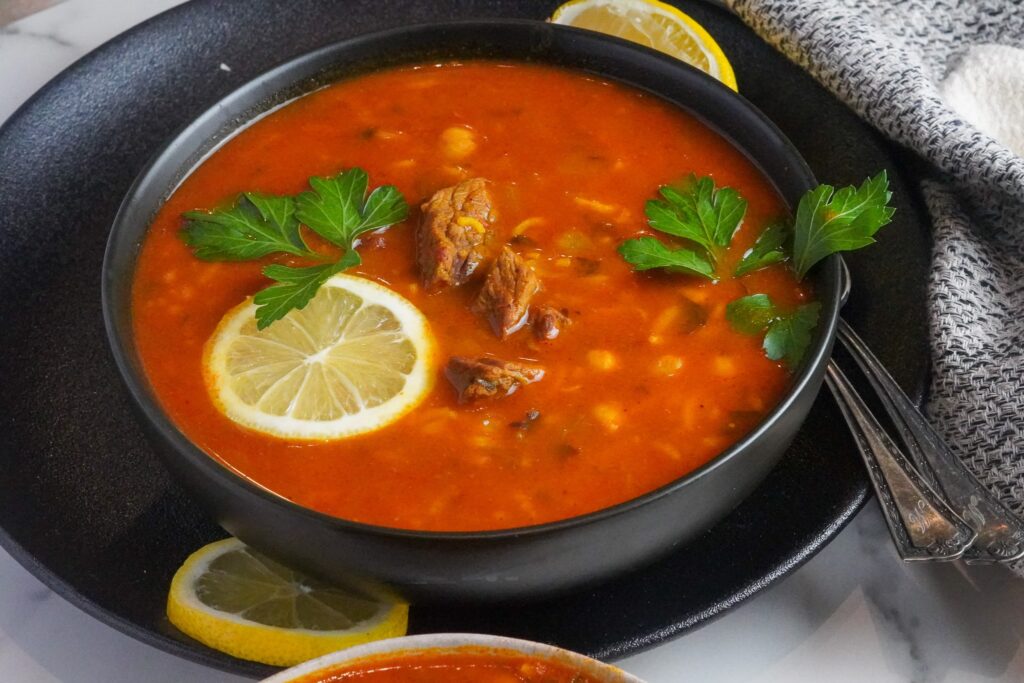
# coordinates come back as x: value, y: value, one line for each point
x: 635, y: 392
x: 452, y: 668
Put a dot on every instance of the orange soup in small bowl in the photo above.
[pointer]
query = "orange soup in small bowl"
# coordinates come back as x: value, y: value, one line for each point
x: 454, y: 658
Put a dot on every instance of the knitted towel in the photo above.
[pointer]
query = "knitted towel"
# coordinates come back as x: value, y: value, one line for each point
x: 945, y: 78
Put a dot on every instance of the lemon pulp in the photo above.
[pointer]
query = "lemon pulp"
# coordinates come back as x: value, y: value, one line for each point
x: 242, y: 603
x: 357, y: 357
x: 654, y: 24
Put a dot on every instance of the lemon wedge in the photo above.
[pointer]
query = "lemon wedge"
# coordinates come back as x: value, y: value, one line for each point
x: 654, y: 24
x: 235, y: 600
x: 356, y: 358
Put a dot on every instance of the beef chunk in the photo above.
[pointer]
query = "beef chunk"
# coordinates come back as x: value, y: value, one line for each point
x: 451, y: 236
x: 486, y: 377
x: 548, y: 322
x: 506, y: 294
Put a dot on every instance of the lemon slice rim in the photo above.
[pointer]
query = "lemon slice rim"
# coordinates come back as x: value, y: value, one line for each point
x: 234, y: 635
x: 418, y: 382
x: 722, y: 67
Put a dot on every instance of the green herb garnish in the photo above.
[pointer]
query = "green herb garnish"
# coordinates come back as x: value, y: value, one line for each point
x: 258, y: 225
x: 752, y: 314
x: 786, y: 335
x: 339, y: 210
x: 647, y: 252
x: 827, y: 221
x: 768, y: 249
x: 697, y: 212
x: 295, y: 287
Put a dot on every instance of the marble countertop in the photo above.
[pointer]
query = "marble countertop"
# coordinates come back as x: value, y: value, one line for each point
x: 854, y: 613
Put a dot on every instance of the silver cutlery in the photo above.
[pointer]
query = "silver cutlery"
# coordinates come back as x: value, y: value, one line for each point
x: 922, y: 525
x: 1000, y: 533
x: 934, y: 506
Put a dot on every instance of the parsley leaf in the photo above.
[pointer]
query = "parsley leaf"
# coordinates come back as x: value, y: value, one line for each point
x: 846, y: 220
x: 695, y: 211
x: 295, y: 287
x: 647, y: 252
x: 766, y: 250
x: 751, y: 314
x: 257, y: 225
x: 338, y: 209
x: 786, y: 335
x: 827, y: 221
x: 789, y: 336
x: 700, y: 213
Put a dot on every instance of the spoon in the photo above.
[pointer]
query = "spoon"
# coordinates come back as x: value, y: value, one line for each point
x: 1000, y: 534
x: 922, y: 525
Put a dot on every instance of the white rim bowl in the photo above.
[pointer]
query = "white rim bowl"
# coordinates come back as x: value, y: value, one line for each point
x: 441, y: 643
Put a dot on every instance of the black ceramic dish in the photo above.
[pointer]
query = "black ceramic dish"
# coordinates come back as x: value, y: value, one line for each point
x: 515, y: 563
x: 87, y: 507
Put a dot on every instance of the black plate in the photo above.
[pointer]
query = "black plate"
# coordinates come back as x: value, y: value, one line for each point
x: 87, y: 507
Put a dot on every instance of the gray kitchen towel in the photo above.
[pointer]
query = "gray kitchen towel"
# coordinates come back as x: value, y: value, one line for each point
x: 945, y: 78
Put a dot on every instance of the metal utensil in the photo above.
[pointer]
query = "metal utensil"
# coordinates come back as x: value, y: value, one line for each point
x: 1000, y: 533
x: 923, y: 526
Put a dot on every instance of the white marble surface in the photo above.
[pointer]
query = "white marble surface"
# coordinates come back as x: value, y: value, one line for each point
x: 853, y: 614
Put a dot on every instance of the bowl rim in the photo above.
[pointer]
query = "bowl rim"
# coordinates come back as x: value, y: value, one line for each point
x: 453, y: 643
x: 147, y: 403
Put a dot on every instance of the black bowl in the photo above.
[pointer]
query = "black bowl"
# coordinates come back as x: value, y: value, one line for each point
x: 514, y: 563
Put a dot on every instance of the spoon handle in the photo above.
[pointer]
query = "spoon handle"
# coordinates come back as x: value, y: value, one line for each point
x: 922, y: 525
x: 1000, y: 533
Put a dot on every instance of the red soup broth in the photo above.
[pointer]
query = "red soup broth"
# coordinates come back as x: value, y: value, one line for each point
x: 453, y: 668
x: 635, y: 393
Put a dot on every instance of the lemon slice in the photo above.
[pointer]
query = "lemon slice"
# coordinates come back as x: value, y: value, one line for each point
x: 242, y: 603
x: 355, y: 359
x: 654, y: 24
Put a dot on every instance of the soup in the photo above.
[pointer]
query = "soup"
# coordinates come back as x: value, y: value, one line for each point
x: 453, y: 668
x: 607, y: 385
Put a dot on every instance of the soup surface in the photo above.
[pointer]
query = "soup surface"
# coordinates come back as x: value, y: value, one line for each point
x: 454, y: 668
x: 647, y: 381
